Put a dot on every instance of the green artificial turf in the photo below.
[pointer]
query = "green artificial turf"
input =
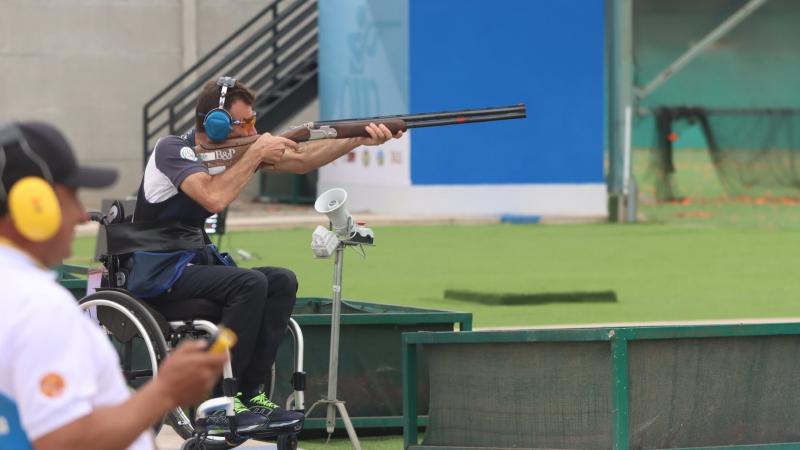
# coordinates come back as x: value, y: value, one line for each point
x: 370, y: 443
x: 658, y: 272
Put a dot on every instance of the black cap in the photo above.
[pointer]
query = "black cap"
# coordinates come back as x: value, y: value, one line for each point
x: 48, y: 155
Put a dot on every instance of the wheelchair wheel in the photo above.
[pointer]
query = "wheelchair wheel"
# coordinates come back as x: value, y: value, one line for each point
x: 133, y: 332
x: 181, y: 422
x: 287, y: 442
x: 193, y: 443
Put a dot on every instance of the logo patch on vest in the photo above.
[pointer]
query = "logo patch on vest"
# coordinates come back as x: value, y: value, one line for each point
x: 224, y: 154
x: 188, y: 153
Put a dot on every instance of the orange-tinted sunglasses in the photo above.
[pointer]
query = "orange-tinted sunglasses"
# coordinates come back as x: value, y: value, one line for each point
x: 246, y: 123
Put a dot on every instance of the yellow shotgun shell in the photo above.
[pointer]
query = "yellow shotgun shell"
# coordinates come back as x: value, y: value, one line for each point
x: 224, y: 339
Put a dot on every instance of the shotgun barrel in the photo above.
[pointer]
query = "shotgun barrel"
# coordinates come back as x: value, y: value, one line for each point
x: 345, y: 128
x: 443, y: 117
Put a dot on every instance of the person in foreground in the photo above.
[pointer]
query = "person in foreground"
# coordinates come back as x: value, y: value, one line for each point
x: 257, y: 303
x: 60, y: 381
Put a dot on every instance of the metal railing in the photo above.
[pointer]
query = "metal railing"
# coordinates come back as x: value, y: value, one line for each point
x: 274, y: 54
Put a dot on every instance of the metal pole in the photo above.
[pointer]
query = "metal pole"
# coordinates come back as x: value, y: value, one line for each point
x: 145, y: 132
x: 189, y: 37
x: 629, y: 183
x: 332, y: 403
x: 620, y: 402
x: 275, y: 46
x: 626, y: 153
x: 712, y: 37
x: 620, y: 96
x: 333, y: 366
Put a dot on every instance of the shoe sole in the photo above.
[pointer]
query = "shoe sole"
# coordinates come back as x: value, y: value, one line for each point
x: 281, y: 424
x: 294, y: 428
x: 240, y: 430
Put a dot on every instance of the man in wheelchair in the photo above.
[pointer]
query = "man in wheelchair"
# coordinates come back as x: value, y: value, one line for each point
x: 60, y: 383
x: 177, y: 188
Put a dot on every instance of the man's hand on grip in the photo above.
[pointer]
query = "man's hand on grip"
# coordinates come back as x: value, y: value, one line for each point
x: 271, y: 148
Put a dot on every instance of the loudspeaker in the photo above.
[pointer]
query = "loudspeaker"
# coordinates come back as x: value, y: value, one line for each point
x: 218, y: 121
x: 31, y: 201
x: 331, y: 203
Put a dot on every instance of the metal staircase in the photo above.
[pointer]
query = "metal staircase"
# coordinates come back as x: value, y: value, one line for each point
x: 274, y: 54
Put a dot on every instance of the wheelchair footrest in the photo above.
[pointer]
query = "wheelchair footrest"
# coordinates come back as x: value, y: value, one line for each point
x: 229, y: 387
x: 299, y: 381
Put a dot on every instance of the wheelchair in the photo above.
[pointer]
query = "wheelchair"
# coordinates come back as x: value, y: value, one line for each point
x: 143, y: 334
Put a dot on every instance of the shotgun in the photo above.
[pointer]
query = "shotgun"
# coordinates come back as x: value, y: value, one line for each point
x: 347, y: 128
x: 217, y: 156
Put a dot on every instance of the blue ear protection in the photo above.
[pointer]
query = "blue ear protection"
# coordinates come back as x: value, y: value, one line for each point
x: 218, y: 122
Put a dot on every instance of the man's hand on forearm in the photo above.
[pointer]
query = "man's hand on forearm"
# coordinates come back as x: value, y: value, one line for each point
x: 315, y: 154
x: 379, y: 134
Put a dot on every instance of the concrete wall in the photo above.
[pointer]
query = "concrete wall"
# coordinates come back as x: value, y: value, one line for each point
x: 89, y: 66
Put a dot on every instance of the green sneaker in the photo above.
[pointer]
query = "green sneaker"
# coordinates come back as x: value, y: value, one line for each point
x: 277, y: 417
x: 247, y: 422
x: 238, y: 405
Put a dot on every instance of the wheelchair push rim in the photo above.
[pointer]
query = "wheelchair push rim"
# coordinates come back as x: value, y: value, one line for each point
x: 137, y: 323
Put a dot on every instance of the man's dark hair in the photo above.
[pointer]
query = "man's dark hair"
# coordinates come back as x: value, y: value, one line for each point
x: 209, y: 99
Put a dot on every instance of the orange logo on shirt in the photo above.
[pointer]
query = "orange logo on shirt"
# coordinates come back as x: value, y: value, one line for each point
x: 52, y: 385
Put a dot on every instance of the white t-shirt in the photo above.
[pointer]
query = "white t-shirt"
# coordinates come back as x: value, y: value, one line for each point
x: 56, y: 365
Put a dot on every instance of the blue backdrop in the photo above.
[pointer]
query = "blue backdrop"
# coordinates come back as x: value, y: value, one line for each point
x: 547, y: 54
x: 395, y: 56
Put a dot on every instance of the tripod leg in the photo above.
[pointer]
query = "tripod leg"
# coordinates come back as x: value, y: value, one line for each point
x: 308, y: 413
x: 348, y: 426
x: 330, y: 419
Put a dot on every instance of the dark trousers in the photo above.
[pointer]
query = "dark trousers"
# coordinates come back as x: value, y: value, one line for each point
x: 256, y: 305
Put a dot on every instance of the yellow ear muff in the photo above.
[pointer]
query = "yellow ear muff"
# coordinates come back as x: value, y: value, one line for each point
x: 34, y: 209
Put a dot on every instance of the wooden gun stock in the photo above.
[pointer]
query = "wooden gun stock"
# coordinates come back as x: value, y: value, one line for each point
x: 346, y: 129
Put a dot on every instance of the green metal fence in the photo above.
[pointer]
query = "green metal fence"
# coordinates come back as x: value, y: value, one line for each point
x: 73, y: 278
x: 693, y: 386
x: 370, y: 358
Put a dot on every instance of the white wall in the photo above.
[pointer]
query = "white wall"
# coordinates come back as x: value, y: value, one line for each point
x: 89, y: 66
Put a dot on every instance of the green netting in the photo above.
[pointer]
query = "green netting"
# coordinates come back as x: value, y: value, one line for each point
x: 673, y: 389
x: 370, y: 370
x: 714, y: 391
x: 370, y: 358
x: 755, y: 152
x: 526, y: 395
x: 758, y: 149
